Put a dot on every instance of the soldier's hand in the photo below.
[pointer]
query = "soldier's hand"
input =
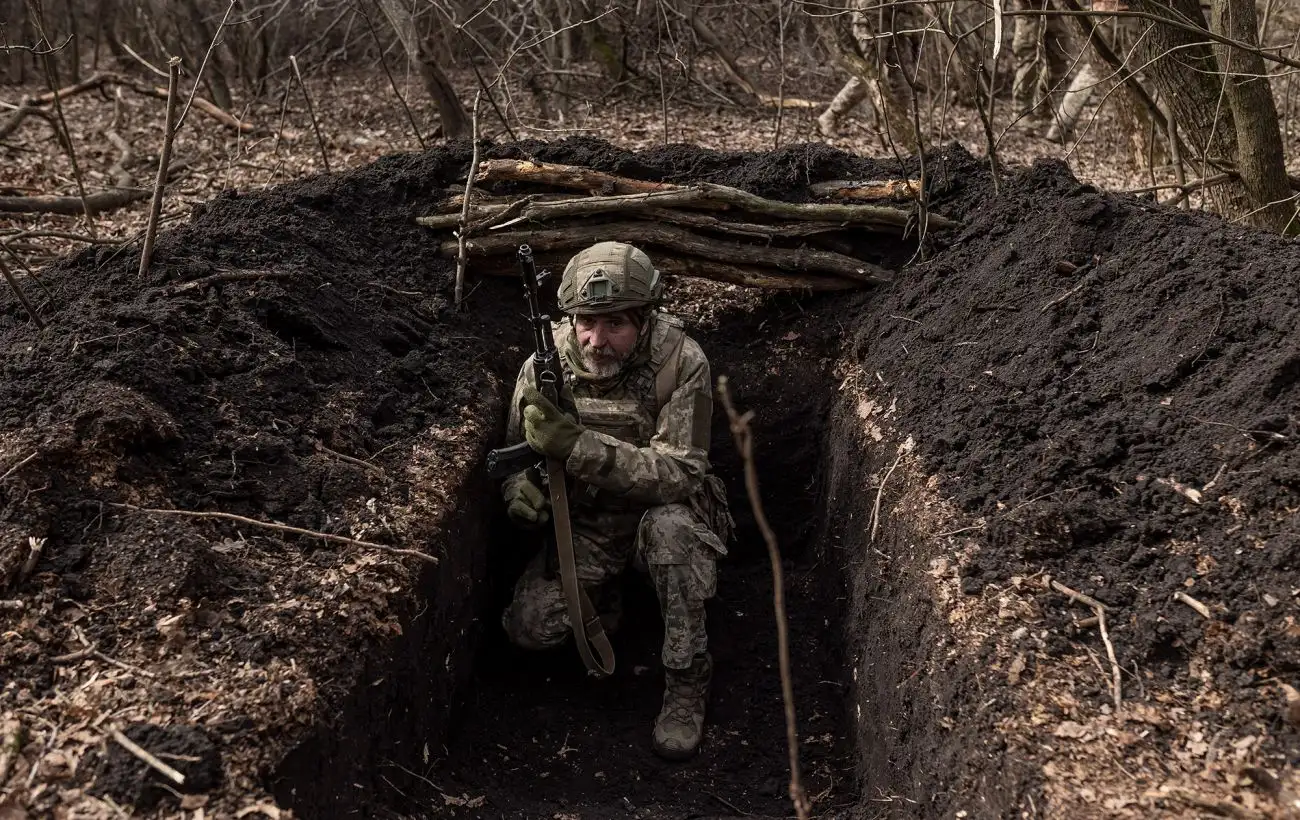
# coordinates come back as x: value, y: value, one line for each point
x: 547, y: 430
x: 527, y: 505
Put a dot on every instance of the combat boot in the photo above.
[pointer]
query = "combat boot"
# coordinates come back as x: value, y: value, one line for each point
x: 680, y: 724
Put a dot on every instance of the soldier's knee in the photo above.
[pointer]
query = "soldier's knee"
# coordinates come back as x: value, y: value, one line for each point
x: 535, y: 619
x: 680, y: 553
x: 667, y: 534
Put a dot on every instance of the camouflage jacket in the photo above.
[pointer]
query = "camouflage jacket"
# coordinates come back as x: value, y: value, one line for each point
x: 634, y: 452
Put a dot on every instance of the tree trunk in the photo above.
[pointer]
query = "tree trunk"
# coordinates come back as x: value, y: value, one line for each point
x: 455, y: 119
x: 1185, y: 69
x: 1259, y: 141
x: 215, y: 74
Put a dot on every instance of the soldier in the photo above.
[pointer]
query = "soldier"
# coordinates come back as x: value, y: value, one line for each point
x: 1049, y: 59
x: 888, y: 38
x: 638, y: 460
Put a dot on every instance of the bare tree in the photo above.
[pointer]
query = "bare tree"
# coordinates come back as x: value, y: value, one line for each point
x: 1220, y: 97
x: 455, y: 120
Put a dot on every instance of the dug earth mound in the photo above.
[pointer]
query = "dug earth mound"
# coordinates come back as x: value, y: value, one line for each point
x: 1037, y: 499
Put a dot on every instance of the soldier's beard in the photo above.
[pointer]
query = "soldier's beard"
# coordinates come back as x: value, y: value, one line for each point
x: 602, y: 362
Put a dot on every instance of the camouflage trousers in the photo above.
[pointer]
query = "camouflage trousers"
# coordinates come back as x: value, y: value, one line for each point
x: 672, y: 543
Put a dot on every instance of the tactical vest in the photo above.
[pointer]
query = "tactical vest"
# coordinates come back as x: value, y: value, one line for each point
x: 629, y: 409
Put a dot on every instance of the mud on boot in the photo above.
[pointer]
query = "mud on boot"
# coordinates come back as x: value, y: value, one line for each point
x: 680, y: 724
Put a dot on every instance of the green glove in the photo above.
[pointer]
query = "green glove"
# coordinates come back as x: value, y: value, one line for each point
x: 548, y: 431
x: 527, y: 505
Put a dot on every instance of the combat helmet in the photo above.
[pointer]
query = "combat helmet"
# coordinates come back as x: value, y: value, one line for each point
x: 609, y: 277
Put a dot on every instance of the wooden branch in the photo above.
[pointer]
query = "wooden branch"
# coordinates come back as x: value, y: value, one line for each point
x: 165, y: 156
x: 749, y: 276
x: 710, y: 195
x: 463, y: 231
x: 753, y: 229
x: 867, y: 190
x: 871, y: 215
x: 1100, y: 609
x: 148, y: 759
x: 203, y: 106
x: 542, y: 210
x: 22, y: 297
x: 199, y: 76
x: 88, y: 84
x: 19, y: 115
x: 743, y: 435
x: 565, y: 176
x: 271, y: 525
x: 714, y: 42
x: 804, y: 260
x: 311, y: 112
x: 71, y: 205
x: 51, y: 76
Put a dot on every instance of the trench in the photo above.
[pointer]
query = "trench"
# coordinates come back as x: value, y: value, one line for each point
x: 453, y: 722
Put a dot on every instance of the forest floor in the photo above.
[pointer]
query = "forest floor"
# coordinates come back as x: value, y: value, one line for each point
x: 361, y: 120
x: 1127, y: 427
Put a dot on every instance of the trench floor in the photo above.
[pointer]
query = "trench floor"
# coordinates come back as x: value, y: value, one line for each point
x: 538, y: 739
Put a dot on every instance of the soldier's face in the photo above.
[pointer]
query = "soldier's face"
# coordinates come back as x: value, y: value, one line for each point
x: 605, y: 341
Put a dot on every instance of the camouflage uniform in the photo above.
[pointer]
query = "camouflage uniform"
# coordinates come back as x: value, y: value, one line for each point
x: 643, y: 494
x: 888, y: 37
x: 1047, y: 50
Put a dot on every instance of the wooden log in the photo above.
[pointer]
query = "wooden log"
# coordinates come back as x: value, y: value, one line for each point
x: 679, y: 241
x: 655, y: 206
x: 749, y: 276
x: 72, y: 205
x: 868, y: 190
x: 542, y: 210
x: 876, y: 216
x: 711, y: 195
x: 88, y: 84
x: 566, y: 176
x: 16, y: 117
x: 756, y: 230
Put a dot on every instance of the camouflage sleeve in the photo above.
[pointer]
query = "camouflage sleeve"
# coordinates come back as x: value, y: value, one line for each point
x: 515, y: 424
x: 675, y: 463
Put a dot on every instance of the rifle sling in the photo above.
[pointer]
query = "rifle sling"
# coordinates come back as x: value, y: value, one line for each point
x: 588, y: 630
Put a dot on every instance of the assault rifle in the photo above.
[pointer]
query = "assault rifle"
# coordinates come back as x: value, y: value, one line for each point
x: 548, y: 372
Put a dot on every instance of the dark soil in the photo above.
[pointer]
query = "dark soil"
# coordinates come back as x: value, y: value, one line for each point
x: 189, y: 751
x: 1054, y: 403
x: 1051, y: 404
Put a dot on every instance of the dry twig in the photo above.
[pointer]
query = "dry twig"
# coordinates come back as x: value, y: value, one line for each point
x: 743, y: 436
x: 38, y: 17
x: 148, y: 759
x: 31, y: 311
x: 464, y: 211
x: 155, y: 206
x: 1099, y: 608
x: 197, y: 77
x: 374, y: 468
x: 1193, y: 603
x: 271, y: 525
x: 875, y: 509
x: 311, y: 112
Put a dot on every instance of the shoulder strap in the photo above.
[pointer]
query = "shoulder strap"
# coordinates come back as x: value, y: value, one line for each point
x: 670, y: 369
